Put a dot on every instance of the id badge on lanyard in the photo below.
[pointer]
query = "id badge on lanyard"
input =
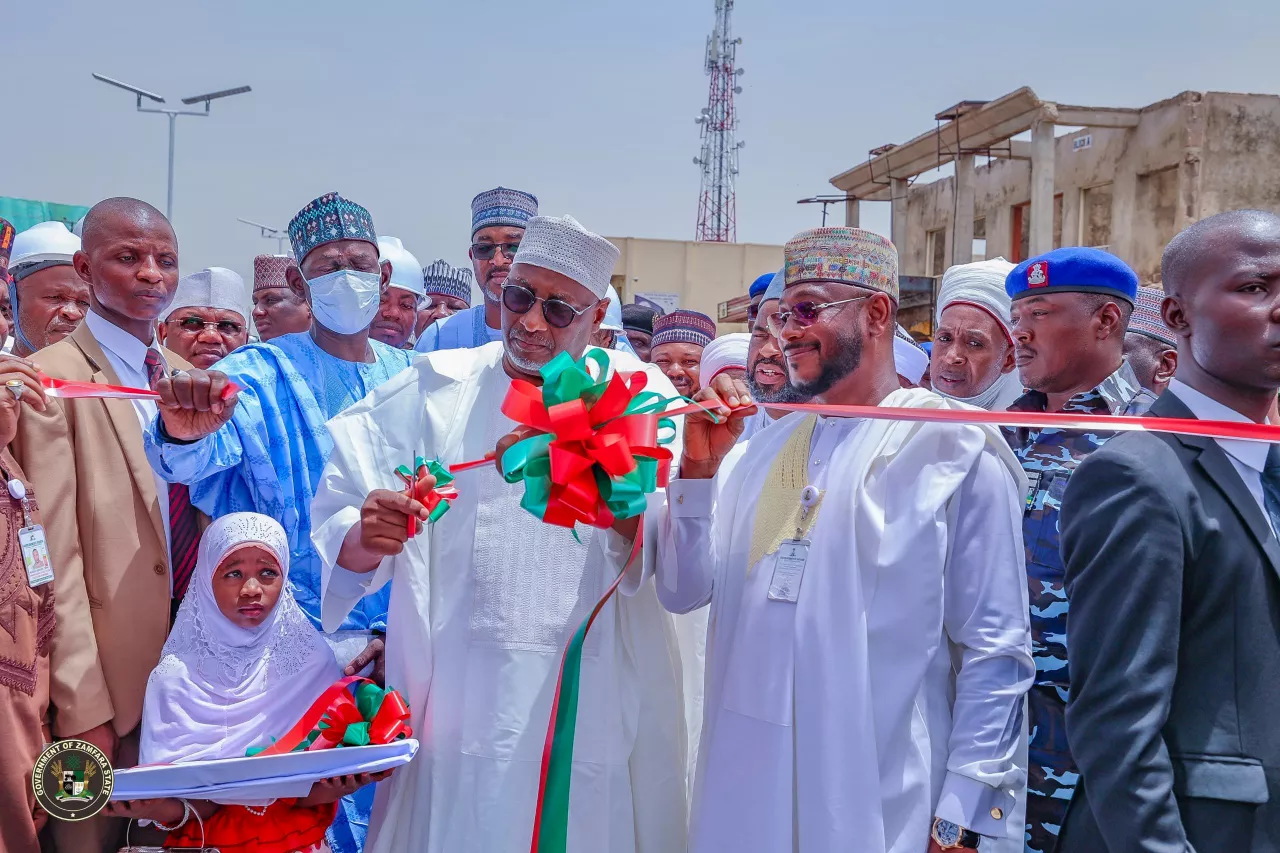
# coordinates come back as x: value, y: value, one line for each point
x: 31, y: 539
x: 788, y: 570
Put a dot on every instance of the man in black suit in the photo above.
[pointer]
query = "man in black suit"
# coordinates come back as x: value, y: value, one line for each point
x: 1173, y: 573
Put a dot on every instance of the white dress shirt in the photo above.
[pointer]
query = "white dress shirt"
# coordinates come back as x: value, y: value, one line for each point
x: 1247, y: 457
x: 128, y: 356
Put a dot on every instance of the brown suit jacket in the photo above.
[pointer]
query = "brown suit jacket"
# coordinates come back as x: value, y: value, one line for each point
x: 106, y: 538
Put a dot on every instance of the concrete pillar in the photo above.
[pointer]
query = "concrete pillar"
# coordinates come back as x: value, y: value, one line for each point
x: 962, y: 227
x: 1071, y: 216
x: 1041, y: 237
x: 1124, y: 208
x: 898, y: 226
x: 852, y: 212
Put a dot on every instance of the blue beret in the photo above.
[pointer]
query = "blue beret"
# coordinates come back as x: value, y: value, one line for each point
x: 1073, y: 270
x: 760, y: 285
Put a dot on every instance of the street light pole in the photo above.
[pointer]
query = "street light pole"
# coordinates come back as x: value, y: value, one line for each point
x: 173, y: 119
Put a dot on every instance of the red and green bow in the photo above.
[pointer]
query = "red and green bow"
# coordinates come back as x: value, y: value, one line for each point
x: 598, y: 453
x: 352, y: 712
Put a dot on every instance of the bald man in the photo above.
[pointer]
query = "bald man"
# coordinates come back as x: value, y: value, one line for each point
x: 109, y: 519
x: 1173, y: 573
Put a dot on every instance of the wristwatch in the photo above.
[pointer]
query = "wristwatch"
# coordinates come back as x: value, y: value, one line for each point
x: 951, y: 836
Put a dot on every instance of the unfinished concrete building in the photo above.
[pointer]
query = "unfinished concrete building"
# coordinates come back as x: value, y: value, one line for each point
x: 1125, y: 180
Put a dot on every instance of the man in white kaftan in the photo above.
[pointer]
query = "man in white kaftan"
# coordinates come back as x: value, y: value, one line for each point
x: 864, y: 690
x: 487, y: 597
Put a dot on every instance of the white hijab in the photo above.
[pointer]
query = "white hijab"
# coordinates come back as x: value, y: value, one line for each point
x: 219, y: 688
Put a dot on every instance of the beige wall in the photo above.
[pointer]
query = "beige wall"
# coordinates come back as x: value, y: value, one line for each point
x: 1190, y: 156
x: 702, y: 274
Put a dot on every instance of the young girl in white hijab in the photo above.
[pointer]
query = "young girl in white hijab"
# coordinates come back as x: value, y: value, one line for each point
x: 240, y: 666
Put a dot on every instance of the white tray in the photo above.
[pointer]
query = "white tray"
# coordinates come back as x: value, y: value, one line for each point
x: 260, y: 778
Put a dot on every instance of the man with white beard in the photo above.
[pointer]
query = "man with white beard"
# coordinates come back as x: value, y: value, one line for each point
x: 488, y: 595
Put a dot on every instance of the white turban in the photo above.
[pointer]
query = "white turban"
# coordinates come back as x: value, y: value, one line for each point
x: 724, y: 353
x: 215, y: 287
x: 613, y: 315
x: 909, y: 358
x: 406, y: 272
x: 980, y: 284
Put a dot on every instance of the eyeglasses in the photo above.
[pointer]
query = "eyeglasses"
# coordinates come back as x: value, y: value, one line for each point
x: 805, y: 313
x: 519, y: 300
x: 229, y: 328
x: 486, y: 251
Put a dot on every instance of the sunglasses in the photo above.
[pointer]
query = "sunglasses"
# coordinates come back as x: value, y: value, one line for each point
x: 558, y: 313
x: 486, y: 251
x: 805, y: 313
x: 229, y: 328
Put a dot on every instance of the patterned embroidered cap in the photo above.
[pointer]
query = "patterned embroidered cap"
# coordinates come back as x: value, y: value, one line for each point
x: 447, y: 280
x: 683, y: 327
x: 1072, y: 270
x: 1147, y: 319
x: 562, y: 245
x: 327, y: 219
x: 6, y: 246
x: 501, y: 206
x: 845, y: 255
x: 269, y: 271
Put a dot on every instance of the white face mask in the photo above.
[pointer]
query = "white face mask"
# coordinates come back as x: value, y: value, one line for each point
x: 345, y: 301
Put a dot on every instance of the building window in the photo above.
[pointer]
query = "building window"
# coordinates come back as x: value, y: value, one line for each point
x: 1021, y: 241
x: 1095, y: 216
x: 936, y: 244
x: 980, y: 239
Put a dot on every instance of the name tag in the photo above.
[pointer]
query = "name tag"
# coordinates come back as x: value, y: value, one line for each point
x: 788, y: 570
x: 35, y: 555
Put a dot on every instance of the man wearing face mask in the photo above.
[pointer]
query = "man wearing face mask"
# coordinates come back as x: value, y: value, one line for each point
x: 266, y: 453
x: 498, y: 219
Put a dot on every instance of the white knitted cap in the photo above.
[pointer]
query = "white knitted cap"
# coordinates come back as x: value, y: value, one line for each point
x: 44, y: 242
x: 562, y: 245
x: 406, y: 272
x: 215, y: 287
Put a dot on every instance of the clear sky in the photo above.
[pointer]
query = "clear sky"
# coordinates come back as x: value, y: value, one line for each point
x: 411, y: 108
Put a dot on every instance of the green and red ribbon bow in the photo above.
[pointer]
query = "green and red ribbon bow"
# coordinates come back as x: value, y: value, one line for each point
x: 438, y: 499
x: 346, y: 716
x: 598, y: 454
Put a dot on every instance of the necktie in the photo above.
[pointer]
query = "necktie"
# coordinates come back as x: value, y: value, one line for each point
x: 184, y: 530
x: 1271, y: 486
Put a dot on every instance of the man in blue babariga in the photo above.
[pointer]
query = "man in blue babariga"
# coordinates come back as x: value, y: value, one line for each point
x: 1070, y: 310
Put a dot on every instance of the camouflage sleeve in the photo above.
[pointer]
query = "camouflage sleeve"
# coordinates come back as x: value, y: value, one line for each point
x: 1123, y: 549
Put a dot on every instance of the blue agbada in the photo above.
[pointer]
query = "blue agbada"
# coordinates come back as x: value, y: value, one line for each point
x: 463, y: 330
x: 269, y: 456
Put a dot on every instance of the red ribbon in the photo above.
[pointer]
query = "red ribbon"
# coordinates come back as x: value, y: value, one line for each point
x: 70, y: 389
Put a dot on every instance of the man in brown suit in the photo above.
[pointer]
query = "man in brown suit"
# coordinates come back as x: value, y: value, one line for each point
x: 111, y: 524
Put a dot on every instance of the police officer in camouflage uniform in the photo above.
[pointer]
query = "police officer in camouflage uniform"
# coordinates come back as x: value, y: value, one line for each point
x: 1070, y: 310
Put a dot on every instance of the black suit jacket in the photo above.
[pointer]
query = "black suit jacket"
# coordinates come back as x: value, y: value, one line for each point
x: 1173, y: 574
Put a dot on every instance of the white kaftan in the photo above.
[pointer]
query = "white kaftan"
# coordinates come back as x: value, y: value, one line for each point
x: 892, y: 690
x: 484, y: 601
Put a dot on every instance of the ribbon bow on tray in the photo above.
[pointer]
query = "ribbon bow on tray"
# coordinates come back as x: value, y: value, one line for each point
x: 346, y: 715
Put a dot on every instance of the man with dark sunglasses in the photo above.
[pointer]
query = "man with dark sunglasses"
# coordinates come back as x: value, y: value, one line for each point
x: 488, y: 593
x: 209, y: 317
x: 869, y: 635
x: 498, y: 219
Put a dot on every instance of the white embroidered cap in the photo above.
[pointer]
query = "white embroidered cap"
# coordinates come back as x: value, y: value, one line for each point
x: 215, y: 287
x: 562, y: 245
x: 406, y: 272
